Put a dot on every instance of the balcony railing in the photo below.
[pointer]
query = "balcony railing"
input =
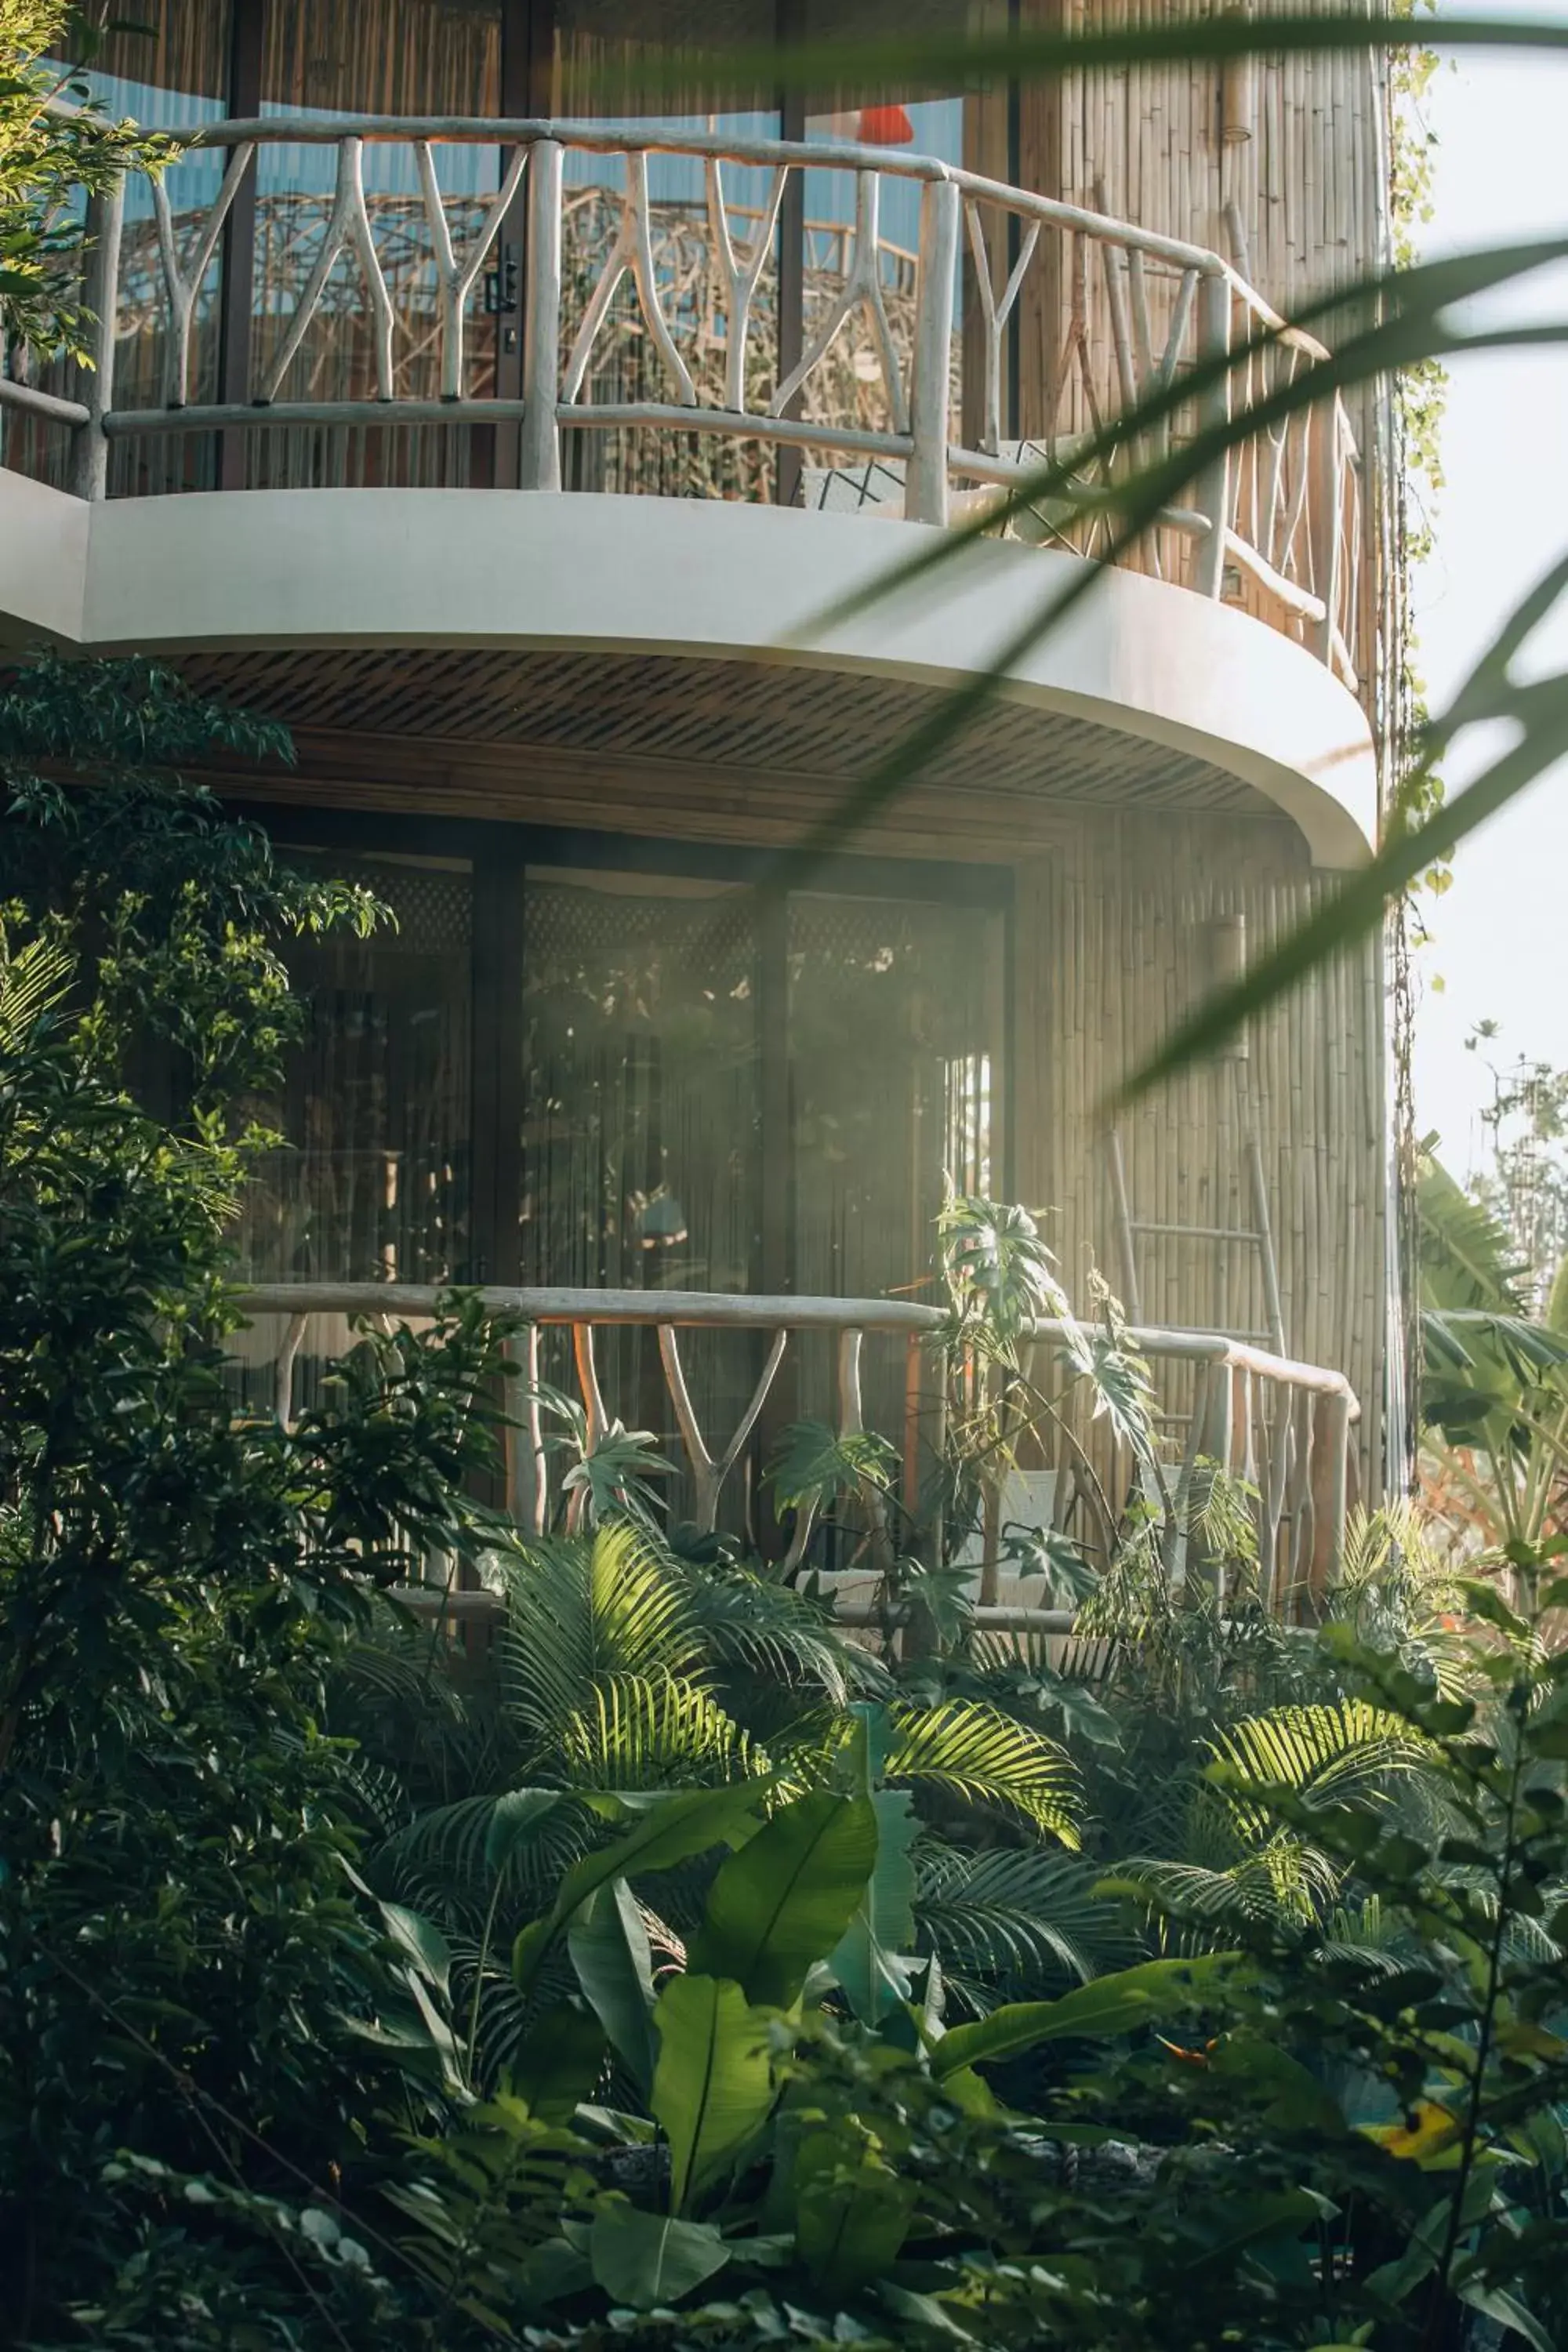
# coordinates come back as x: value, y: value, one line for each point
x: 1279, y: 527
x: 1284, y: 1431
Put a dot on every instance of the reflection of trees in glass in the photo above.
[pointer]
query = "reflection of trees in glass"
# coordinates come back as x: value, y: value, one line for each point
x: 373, y: 1182
x: 891, y: 1031
x: 641, y: 1141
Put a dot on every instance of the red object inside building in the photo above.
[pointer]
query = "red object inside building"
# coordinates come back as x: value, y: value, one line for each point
x: 886, y: 126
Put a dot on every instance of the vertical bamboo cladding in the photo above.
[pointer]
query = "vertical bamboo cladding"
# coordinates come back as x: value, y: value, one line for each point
x: 1277, y: 162
x: 1118, y: 934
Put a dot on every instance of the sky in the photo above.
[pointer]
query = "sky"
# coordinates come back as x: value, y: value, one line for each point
x: 1500, y: 945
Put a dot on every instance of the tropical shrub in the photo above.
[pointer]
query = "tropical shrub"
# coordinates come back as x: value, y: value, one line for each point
x: 195, y: 1986
x: 1297, y: 2140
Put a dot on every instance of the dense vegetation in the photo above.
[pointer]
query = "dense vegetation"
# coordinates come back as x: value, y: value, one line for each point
x: 700, y: 1974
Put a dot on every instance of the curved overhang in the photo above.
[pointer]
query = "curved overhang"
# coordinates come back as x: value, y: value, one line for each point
x: 1149, y: 663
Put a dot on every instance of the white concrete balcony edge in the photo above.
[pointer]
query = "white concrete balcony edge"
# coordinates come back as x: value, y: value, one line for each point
x: 687, y: 577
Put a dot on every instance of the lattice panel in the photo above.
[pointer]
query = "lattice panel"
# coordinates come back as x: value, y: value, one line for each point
x: 433, y: 908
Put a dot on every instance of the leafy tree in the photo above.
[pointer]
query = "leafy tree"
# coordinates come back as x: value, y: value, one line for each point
x: 194, y: 1988
x: 57, y: 143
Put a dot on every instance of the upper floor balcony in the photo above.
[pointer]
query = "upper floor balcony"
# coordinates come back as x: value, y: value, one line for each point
x: 325, y: 302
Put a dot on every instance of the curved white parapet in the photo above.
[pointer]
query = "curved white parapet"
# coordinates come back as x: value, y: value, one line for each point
x: 273, y: 569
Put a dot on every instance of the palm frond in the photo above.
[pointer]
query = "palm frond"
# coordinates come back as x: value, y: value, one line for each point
x: 1467, y: 1259
x: 1026, y: 1916
x: 981, y: 1754
x: 649, y: 1731
x: 1198, y: 1905
x: 772, y: 1628
x: 441, y: 1854
x: 1328, y: 1754
x: 33, y: 982
x: 582, y: 1608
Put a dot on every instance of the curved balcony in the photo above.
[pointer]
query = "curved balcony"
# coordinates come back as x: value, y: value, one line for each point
x: 367, y: 324
x: 1286, y: 1429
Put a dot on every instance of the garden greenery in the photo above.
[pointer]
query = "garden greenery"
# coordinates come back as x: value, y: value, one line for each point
x: 699, y: 1974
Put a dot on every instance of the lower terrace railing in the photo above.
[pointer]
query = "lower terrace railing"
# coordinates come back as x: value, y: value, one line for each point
x: 1285, y: 1430
x: 363, y: 300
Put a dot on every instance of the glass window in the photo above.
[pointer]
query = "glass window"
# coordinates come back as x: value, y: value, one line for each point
x: 380, y: 57
x: 642, y: 1106
x: 168, y: 70
x: 892, y: 1035
x: 642, y: 1143
x: 370, y: 1183
x: 604, y: 73
x: 894, y: 1025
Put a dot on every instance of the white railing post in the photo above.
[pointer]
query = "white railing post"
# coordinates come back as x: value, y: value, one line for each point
x: 1211, y: 492
x: 925, y: 485
x: 1328, y: 497
x: 539, y: 458
x: 90, y: 444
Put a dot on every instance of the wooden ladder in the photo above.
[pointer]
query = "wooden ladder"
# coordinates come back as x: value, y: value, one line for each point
x: 1131, y: 1231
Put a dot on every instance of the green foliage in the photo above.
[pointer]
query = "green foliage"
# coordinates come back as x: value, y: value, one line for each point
x: 55, y: 140
x: 202, y: 2009
x: 785, y: 1898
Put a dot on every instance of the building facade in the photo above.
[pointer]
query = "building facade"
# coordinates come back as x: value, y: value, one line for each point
x: 520, y: 399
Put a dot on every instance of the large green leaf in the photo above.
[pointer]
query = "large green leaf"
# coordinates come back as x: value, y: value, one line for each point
x: 852, y: 2213
x: 1467, y: 1259
x: 647, y: 2260
x: 608, y: 1947
x: 865, y: 1959
x: 713, y: 2083
x: 667, y: 1830
x: 1114, y: 2004
x: 558, y: 2063
x: 785, y: 1898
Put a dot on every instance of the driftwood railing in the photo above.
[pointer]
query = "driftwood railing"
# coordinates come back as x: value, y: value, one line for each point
x: 1277, y: 525
x: 1285, y: 1428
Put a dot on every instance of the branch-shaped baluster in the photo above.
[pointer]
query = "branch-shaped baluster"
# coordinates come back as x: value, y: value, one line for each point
x: 1116, y: 298
x: 456, y: 273
x: 1330, y: 1482
x: 862, y: 291
x: 1180, y: 319
x: 348, y: 223
x: 851, y: 1423
x: 741, y: 277
x: 633, y: 250
x: 708, y: 1472
x: 1143, y: 348
x: 283, y: 1371
x: 1174, y: 1550
x: 997, y: 315
x: 184, y: 285
x: 1274, y: 1490
x: 1278, y: 439
x: 527, y: 1477
x: 1299, y: 1499
x: 598, y: 1419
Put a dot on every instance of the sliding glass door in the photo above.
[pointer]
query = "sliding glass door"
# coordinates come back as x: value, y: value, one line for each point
x: 717, y: 1092
x: 642, y: 1106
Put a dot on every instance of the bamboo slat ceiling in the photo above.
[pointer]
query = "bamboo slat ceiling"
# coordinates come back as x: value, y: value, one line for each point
x: 683, y: 716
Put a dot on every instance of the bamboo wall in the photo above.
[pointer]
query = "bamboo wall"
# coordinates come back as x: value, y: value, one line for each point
x: 1280, y: 165
x: 1115, y: 939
